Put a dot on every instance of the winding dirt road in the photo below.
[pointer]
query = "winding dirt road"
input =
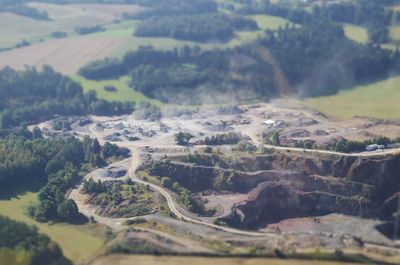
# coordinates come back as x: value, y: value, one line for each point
x: 174, y: 207
x: 118, y: 223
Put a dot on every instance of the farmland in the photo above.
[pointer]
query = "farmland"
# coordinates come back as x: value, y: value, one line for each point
x: 67, y: 55
x: 62, y: 18
x: 64, y: 55
x: 232, y: 161
x: 370, y: 100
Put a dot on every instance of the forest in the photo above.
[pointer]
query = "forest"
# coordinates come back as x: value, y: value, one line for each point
x: 19, y: 8
x: 19, y: 236
x: 199, y: 28
x: 374, y: 15
x: 173, y: 8
x: 30, y: 96
x: 318, y: 59
x: 88, y: 29
x: 27, y: 157
x: 189, y: 71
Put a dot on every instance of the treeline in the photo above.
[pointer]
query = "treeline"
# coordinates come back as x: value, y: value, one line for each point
x: 199, y: 28
x: 374, y: 15
x: 347, y: 146
x: 26, y: 157
x: 30, y: 96
x: 173, y: 8
x: 189, y: 71
x: 19, y: 236
x: 318, y: 59
x: 89, y: 29
x: 103, y: 69
x: 290, y: 12
x: 19, y: 8
x: 225, y: 138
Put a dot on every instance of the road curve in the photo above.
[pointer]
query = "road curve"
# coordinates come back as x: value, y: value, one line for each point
x: 173, y: 206
x: 118, y: 223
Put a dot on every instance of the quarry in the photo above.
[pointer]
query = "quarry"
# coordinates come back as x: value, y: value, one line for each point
x: 230, y: 185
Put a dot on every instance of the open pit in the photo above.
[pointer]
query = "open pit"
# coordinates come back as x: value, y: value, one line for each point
x: 297, y: 193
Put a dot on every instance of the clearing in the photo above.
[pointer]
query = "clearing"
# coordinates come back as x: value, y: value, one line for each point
x: 395, y: 33
x: 270, y: 22
x: 370, y: 101
x: 356, y: 33
x: 123, y: 93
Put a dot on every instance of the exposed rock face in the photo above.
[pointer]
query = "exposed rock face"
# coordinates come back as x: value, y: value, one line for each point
x: 285, y: 185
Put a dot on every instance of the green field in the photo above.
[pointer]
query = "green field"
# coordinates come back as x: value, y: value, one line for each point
x: 78, y: 242
x: 356, y: 33
x: 124, y: 93
x: 377, y: 100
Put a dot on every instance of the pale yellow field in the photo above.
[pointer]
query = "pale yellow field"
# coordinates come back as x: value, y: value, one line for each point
x: 64, y: 55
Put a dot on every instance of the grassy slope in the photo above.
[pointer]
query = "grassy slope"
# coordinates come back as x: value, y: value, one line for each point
x: 78, y: 242
x: 378, y: 100
x: 124, y: 93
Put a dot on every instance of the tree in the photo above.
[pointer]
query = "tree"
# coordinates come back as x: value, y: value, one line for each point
x: 37, y: 133
x: 276, y: 138
x: 68, y: 210
x: 167, y: 182
x: 96, y: 146
x: 182, y: 138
